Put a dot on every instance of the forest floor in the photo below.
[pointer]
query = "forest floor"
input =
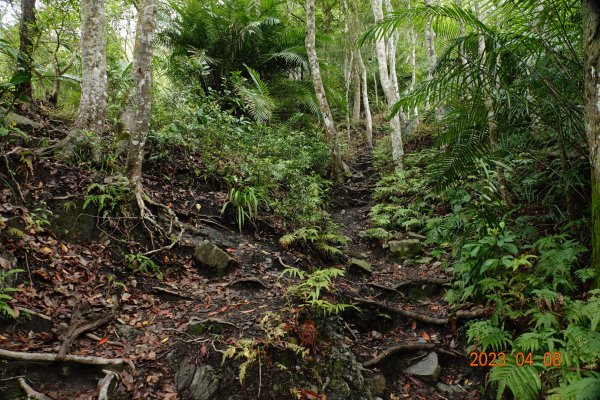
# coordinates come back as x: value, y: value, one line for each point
x: 78, y: 294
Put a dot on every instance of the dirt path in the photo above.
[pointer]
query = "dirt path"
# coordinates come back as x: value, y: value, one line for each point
x: 189, y: 318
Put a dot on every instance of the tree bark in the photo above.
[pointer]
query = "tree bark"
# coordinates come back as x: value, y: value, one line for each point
x: 94, y: 81
x: 356, y: 83
x: 27, y: 29
x: 315, y: 71
x: 365, y: 99
x: 389, y: 84
x: 430, y: 43
x: 141, y: 104
x: 591, y: 37
x: 489, y: 88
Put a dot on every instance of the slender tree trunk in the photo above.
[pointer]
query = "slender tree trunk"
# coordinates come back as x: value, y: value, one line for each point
x: 94, y: 81
x: 365, y: 99
x: 356, y: 83
x: 315, y: 72
x: 141, y: 104
x: 492, y: 121
x: 27, y: 28
x: 591, y: 39
x: 387, y: 78
x: 413, y: 61
x: 430, y: 43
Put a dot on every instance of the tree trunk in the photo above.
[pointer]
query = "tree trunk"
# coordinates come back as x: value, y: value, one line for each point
x: 356, y: 83
x: 315, y: 72
x: 430, y: 43
x: 94, y: 81
x: 591, y: 36
x: 141, y: 104
x: 489, y: 88
x: 387, y: 79
x: 27, y: 28
x: 365, y: 99
x: 413, y: 62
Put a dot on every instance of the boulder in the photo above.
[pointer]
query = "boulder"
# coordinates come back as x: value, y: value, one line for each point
x: 209, y: 255
x: 406, y: 248
x: 427, y: 369
x: 358, y: 266
x: 200, y: 382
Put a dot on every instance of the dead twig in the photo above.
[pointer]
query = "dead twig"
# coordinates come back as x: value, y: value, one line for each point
x: 50, y: 357
x: 34, y: 313
x: 173, y: 292
x: 104, y: 384
x: 31, y: 393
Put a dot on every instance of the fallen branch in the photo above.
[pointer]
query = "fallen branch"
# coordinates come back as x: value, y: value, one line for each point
x: 34, y: 313
x: 104, y: 384
x: 50, y: 357
x: 31, y: 393
x: 461, y: 314
x: 12, y: 177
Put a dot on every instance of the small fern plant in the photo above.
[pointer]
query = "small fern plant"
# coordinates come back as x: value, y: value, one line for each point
x: 6, y: 279
x: 313, y: 285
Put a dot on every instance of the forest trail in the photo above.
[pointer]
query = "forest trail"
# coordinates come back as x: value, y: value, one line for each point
x: 170, y: 330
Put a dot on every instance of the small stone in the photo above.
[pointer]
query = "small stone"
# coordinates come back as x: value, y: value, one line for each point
x: 358, y: 266
x: 376, y: 335
x: 436, y: 264
x: 449, y: 389
x: 205, y: 383
x: 427, y: 369
x: 209, y: 255
x: 129, y: 332
x: 406, y: 248
x: 425, y: 260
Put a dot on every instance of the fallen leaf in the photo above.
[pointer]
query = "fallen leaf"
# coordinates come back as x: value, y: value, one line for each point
x: 413, y: 325
x: 103, y: 340
x: 4, y: 263
x: 425, y: 336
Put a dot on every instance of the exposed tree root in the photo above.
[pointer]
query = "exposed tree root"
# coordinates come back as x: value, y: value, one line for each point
x: 461, y: 314
x: 249, y: 279
x: 152, y: 225
x: 420, y: 281
x: 397, y: 349
x: 173, y: 292
x: 79, y: 326
x: 31, y: 393
x: 10, y: 173
x: 104, y: 384
x: 50, y: 357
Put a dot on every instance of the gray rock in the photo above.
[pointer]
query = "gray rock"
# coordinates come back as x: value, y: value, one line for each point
x: 377, y: 385
x: 209, y: 255
x: 200, y: 382
x: 449, y: 389
x: 406, y: 248
x: 205, y: 383
x: 358, y: 266
x: 129, y: 332
x: 376, y: 335
x: 427, y: 369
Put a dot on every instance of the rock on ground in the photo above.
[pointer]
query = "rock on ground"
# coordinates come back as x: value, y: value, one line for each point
x: 428, y: 369
x: 199, y: 382
x: 209, y: 255
x: 406, y: 248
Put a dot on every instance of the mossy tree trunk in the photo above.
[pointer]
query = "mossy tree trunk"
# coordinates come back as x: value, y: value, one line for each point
x: 27, y: 29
